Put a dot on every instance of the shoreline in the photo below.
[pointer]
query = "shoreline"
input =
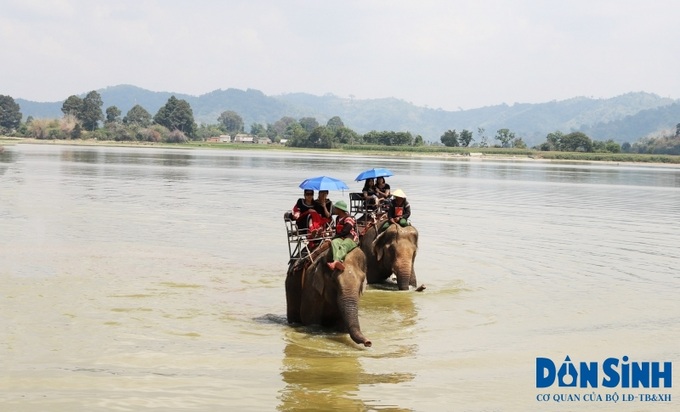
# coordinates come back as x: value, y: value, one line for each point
x: 472, y: 156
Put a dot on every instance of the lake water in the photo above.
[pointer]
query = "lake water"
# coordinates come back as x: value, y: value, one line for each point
x: 153, y: 279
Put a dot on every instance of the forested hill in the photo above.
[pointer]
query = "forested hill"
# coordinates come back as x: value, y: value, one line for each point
x: 625, y: 118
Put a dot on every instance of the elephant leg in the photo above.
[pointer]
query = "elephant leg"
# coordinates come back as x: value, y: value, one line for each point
x: 293, y: 295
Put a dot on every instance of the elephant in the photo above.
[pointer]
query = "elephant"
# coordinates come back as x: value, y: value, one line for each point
x: 391, y: 251
x: 318, y: 295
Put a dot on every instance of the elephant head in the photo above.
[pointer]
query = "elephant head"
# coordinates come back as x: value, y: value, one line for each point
x: 392, y: 251
x: 317, y: 295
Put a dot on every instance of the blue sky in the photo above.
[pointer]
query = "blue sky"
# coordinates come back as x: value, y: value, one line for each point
x: 447, y: 54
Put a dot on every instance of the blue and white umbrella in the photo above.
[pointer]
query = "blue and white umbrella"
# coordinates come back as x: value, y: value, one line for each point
x: 373, y: 173
x: 323, y: 183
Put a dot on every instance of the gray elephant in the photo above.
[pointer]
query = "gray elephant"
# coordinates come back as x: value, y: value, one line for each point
x: 391, y: 251
x: 317, y: 295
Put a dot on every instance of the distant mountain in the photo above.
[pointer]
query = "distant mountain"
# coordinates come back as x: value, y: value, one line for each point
x: 625, y: 118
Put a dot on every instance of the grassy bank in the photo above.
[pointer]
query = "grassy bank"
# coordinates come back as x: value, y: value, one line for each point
x: 463, y: 152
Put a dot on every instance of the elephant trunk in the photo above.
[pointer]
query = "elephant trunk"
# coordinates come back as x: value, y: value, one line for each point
x: 403, y: 267
x: 349, y: 310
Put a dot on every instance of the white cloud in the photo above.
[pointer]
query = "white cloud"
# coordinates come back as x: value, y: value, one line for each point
x: 445, y: 54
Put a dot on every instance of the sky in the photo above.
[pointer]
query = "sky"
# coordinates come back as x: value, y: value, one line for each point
x: 448, y: 54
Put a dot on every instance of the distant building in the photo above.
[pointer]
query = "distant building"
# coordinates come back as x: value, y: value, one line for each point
x: 224, y: 138
x: 264, y: 140
x: 244, y: 138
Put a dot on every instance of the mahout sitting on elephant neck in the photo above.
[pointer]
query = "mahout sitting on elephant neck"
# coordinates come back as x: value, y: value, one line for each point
x: 346, y: 237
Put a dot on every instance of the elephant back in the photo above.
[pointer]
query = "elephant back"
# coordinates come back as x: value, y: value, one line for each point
x: 356, y: 258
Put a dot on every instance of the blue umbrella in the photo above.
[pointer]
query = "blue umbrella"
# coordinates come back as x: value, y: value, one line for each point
x: 373, y: 173
x: 323, y: 183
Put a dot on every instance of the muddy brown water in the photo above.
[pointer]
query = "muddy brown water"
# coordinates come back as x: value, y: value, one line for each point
x: 146, y: 278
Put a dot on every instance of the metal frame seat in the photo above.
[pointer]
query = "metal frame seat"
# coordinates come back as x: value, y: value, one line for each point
x: 300, y: 244
x: 365, y: 215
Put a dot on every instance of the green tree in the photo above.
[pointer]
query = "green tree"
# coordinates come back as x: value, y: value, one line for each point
x: 10, y: 113
x: 309, y: 124
x: 73, y: 105
x: 231, y: 122
x: 346, y: 135
x: 257, y: 129
x: 271, y: 133
x: 483, y: 139
x: 119, y: 132
x: 112, y: 114
x: 321, y: 137
x: 626, y: 147
x: 176, y: 114
x: 418, y: 141
x: 449, y: 138
x: 612, y: 147
x: 281, y: 126
x: 335, y: 123
x: 576, y: 142
x: 206, y: 131
x: 91, y: 113
x: 598, y: 147
x: 372, y: 137
x: 554, y: 141
x: 389, y: 138
x: 465, y: 138
x: 296, y: 135
x: 137, y: 116
x: 519, y: 143
x: 77, y: 131
x: 402, y: 139
x: 505, y: 136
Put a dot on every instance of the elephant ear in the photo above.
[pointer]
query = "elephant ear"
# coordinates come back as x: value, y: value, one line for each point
x: 379, y: 244
x: 318, y: 277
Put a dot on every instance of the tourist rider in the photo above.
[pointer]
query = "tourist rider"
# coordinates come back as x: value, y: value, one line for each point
x: 324, y: 206
x: 302, y: 210
x: 382, y: 189
x: 369, y: 193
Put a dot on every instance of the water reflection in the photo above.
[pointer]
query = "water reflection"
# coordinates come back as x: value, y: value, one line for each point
x: 162, y: 158
x: 327, y: 380
x: 6, y: 158
x: 175, y: 160
x: 324, y: 372
x: 386, y: 302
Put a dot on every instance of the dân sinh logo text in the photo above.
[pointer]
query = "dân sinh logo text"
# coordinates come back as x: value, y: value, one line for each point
x: 610, y: 373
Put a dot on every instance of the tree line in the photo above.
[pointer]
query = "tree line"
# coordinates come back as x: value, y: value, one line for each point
x: 174, y: 123
x: 667, y: 143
